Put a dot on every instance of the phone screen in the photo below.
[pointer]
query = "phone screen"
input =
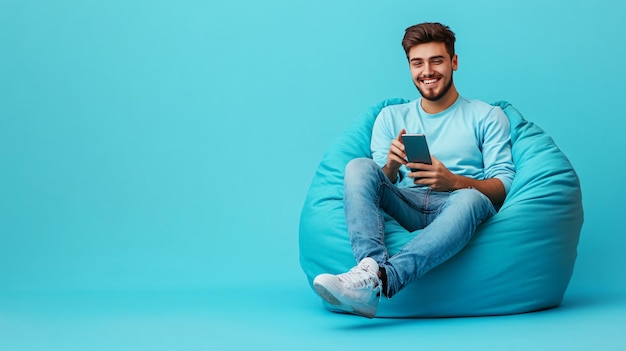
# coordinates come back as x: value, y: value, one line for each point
x: 416, y: 148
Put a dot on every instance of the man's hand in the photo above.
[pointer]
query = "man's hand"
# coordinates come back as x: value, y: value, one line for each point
x: 437, y: 176
x: 396, y: 157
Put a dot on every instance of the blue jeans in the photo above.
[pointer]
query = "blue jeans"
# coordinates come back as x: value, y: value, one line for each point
x: 448, y: 220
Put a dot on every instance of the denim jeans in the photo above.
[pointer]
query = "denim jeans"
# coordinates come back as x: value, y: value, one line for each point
x: 448, y: 220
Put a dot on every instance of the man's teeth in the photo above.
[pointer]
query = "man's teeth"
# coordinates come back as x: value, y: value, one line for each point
x: 429, y: 81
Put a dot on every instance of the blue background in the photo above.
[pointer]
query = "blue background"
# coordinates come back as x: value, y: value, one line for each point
x: 153, y: 147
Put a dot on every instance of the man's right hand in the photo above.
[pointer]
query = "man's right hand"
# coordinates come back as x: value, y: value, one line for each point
x: 396, y: 157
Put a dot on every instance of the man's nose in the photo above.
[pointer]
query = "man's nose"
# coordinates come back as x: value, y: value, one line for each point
x: 427, y: 69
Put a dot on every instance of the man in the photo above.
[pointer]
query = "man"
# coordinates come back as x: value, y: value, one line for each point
x: 468, y: 179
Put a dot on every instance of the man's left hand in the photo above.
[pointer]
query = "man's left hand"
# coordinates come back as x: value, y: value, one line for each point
x: 437, y: 176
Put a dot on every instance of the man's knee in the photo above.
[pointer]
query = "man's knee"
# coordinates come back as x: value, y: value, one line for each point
x: 360, y: 166
x: 468, y: 194
x: 473, y: 199
x: 361, y: 171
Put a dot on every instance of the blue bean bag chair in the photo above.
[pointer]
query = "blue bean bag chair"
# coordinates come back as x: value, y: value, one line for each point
x: 520, y: 260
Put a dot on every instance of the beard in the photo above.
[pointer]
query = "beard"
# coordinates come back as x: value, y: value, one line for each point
x: 437, y: 97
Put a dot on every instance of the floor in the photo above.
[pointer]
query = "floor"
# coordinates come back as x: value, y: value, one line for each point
x: 287, y: 318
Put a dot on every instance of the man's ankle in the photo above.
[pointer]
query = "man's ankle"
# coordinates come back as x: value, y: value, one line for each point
x: 382, y: 275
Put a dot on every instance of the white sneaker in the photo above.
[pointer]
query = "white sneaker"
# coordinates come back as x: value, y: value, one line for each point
x: 357, y: 291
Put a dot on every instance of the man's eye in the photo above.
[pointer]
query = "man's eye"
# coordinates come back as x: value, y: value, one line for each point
x: 437, y: 62
x: 417, y: 64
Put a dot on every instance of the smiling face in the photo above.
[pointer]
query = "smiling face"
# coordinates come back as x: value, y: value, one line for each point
x: 431, y: 68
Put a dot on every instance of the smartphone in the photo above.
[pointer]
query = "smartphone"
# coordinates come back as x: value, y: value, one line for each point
x: 416, y: 148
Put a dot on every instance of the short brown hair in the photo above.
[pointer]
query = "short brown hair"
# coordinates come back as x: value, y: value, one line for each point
x: 426, y: 33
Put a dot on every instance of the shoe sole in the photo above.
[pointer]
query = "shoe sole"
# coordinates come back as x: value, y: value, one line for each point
x: 326, y: 295
x: 334, y: 301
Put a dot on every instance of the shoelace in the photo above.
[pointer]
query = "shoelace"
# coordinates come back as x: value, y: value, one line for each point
x: 358, y: 277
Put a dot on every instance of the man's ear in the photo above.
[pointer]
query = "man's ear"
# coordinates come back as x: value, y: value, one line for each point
x: 455, y: 62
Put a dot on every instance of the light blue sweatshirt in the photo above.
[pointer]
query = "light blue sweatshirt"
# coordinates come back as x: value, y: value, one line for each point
x: 471, y: 138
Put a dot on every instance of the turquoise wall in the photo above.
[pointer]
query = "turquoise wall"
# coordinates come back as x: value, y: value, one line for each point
x: 170, y: 144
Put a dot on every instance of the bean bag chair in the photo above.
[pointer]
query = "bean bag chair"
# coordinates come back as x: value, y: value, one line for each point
x: 520, y: 260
